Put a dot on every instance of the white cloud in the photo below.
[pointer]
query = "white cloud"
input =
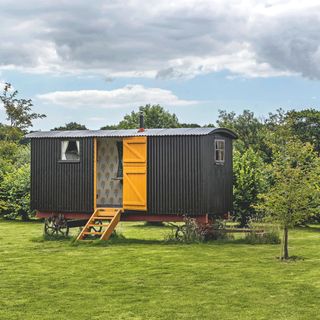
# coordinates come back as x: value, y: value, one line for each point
x: 128, y: 96
x: 164, y: 39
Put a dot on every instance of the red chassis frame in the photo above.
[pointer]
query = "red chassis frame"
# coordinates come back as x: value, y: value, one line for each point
x: 202, y: 219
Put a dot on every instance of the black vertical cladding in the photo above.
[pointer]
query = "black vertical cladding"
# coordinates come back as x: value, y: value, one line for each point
x: 217, y: 178
x: 174, y: 175
x: 61, y: 186
x: 183, y: 177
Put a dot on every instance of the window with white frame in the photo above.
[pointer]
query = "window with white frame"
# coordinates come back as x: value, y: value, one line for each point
x: 70, y: 150
x: 219, y: 146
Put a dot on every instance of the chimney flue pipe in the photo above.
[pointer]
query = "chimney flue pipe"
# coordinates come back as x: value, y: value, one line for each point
x: 141, y: 118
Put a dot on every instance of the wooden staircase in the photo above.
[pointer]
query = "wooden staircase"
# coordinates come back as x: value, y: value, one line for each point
x: 101, y: 224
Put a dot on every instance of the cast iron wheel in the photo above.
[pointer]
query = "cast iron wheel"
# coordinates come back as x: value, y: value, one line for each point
x: 49, y: 228
x: 55, y: 226
x: 180, y: 232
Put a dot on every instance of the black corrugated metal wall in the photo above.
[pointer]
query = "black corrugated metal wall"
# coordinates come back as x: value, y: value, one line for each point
x: 183, y: 177
x: 217, y: 178
x: 174, y: 175
x: 61, y: 186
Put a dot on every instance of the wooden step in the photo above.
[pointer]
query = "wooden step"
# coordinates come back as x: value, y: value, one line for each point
x: 107, y: 211
x: 102, y: 217
x: 97, y: 225
x: 88, y: 232
x: 105, y: 214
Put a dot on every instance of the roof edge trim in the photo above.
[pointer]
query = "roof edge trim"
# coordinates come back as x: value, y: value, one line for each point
x: 225, y: 131
x: 130, y: 133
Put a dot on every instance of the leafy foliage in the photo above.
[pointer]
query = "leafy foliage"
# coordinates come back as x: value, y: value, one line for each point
x: 10, y: 133
x: 70, y: 126
x: 189, y: 125
x: 14, y: 180
x: 294, y: 195
x: 18, y: 111
x: 306, y: 125
x: 248, y: 128
x: 155, y: 116
x: 15, y: 193
x: 15, y: 155
x: 249, y: 181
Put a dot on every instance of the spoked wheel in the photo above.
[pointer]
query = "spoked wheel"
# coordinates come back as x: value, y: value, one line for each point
x: 56, y: 226
x: 180, y: 232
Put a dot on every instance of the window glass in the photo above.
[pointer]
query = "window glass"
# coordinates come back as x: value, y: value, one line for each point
x: 219, y: 151
x: 70, y: 150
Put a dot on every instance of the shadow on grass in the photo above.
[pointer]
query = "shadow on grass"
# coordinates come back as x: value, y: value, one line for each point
x: 309, y: 228
x: 135, y: 241
x: 120, y: 240
x: 150, y: 226
x: 115, y: 242
x: 45, y: 238
x: 19, y: 221
x: 291, y: 259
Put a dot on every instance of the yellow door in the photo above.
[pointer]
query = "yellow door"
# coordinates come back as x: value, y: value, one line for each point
x: 135, y: 173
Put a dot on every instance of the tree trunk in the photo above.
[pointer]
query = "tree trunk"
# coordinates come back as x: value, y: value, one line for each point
x: 285, y: 244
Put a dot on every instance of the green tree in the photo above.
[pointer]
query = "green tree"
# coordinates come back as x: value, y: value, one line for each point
x: 248, y: 127
x: 249, y: 180
x: 155, y: 116
x: 14, y: 179
x: 18, y: 111
x: 306, y: 125
x: 110, y: 127
x: 277, y: 129
x: 15, y: 193
x: 10, y: 133
x: 189, y: 125
x: 70, y: 126
x: 295, y: 192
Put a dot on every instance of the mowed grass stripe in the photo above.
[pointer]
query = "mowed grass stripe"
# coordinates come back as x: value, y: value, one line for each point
x: 141, y: 277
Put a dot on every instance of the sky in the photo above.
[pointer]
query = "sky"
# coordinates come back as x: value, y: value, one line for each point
x: 95, y: 61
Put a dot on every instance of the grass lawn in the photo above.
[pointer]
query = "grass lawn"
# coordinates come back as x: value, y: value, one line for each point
x: 144, y: 278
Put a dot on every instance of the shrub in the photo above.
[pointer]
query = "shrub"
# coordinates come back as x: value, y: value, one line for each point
x: 15, y: 194
x: 250, y: 178
x: 14, y: 180
x: 271, y: 237
x: 191, y: 232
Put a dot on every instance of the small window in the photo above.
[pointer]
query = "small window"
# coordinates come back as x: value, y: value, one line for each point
x: 219, y: 151
x: 70, y: 150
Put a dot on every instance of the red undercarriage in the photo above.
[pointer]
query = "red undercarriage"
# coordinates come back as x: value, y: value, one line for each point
x: 130, y: 217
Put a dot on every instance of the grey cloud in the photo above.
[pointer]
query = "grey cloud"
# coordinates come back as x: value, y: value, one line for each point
x: 291, y: 42
x: 157, y: 39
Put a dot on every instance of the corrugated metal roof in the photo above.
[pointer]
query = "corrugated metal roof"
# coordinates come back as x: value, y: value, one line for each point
x: 129, y: 133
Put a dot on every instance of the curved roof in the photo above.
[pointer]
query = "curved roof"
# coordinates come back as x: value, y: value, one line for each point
x: 131, y: 133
